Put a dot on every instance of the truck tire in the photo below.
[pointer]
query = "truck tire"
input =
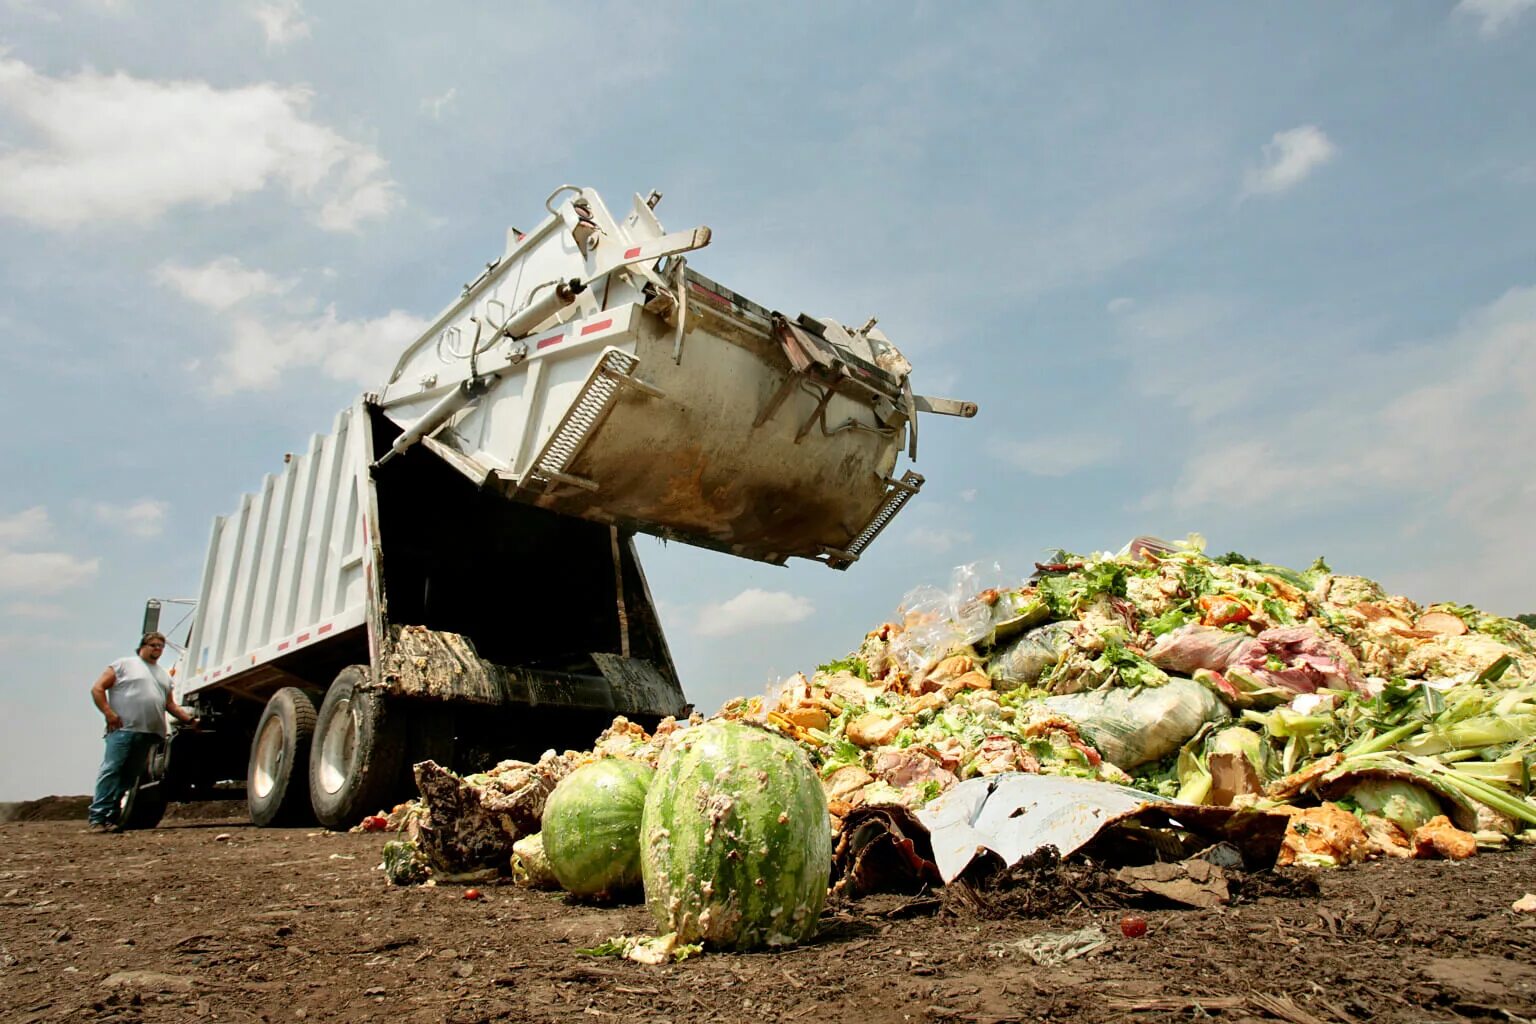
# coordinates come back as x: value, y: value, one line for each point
x: 359, y: 752
x: 143, y: 804
x: 275, y: 790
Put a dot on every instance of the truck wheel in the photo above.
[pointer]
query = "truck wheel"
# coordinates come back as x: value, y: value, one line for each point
x: 143, y: 805
x: 274, y: 782
x: 359, y: 750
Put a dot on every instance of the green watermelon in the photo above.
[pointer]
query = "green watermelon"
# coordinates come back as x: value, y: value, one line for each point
x: 736, y: 847
x: 591, y: 827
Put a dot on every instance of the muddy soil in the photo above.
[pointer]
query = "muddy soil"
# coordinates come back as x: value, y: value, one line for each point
x: 215, y: 920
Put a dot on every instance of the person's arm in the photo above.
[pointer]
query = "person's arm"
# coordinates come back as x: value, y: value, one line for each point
x: 105, y: 682
x: 182, y: 715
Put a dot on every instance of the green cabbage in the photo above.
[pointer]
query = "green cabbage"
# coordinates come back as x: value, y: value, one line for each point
x: 1403, y: 803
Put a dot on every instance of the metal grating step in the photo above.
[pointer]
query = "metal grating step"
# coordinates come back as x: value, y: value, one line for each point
x: 896, y: 498
x: 584, y: 416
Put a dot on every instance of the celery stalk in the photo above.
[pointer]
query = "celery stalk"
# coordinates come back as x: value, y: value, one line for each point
x: 1388, y: 739
x: 1482, y: 792
x: 1507, y: 772
x: 1483, y: 731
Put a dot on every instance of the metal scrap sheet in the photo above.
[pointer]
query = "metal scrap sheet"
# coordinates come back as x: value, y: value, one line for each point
x: 1015, y: 814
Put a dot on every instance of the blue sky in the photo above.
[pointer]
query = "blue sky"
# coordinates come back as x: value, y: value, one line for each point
x: 1261, y: 271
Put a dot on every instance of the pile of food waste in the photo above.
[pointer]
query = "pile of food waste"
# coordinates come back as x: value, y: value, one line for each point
x: 1215, y: 712
x: 1212, y: 681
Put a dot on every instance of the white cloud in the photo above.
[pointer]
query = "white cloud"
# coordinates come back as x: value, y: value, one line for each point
x: 282, y: 21
x: 365, y: 200
x: 1054, y: 456
x: 1436, y: 432
x: 357, y: 351
x: 37, y: 572
x: 261, y: 344
x: 119, y: 148
x: 1494, y: 16
x: 1289, y: 157
x: 25, y: 527
x: 752, y: 609
x: 435, y: 105
x: 937, y: 539
x: 43, y: 572
x: 1122, y: 304
x: 221, y: 284
x: 1204, y: 355
x: 142, y: 518
x: 39, y: 610
x: 1180, y: 354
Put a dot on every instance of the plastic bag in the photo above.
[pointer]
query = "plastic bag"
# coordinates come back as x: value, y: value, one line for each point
x: 1025, y: 660
x: 1132, y: 727
x: 1194, y: 647
x: 936, y: 620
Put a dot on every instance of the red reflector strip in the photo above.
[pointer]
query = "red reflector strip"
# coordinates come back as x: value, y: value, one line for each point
x: 553, y: 339
x: 283, y: 646
x: 601, y: 325
x: 323, y: 629
x: 630, y: 254
x: 301, y: 638
x: 715, y: 297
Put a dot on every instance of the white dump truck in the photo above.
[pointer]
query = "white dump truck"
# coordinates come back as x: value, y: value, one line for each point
x: 450, y: 572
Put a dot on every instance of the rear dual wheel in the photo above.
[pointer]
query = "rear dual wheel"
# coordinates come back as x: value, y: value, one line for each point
x: 356, y: 764
x: 275, y: 790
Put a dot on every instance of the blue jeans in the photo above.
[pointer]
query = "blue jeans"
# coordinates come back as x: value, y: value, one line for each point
x: 126, y: 755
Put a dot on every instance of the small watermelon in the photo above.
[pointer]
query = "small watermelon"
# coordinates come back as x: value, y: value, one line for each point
x: 591, y: 827
x: 736, y: 847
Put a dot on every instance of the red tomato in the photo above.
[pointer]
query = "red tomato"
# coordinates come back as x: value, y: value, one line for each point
x: 474, y: 894
x: 375, y: 823
x: 1133, y: 927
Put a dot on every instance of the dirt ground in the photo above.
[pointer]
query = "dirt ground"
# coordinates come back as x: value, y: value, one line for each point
x: 214, y: 920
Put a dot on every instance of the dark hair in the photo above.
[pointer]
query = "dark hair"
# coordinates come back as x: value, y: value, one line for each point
x: 152, y: 635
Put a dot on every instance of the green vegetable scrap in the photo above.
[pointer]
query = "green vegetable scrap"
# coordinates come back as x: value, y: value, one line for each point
x: 1068, y: 593
x: 645, y: 949
x: 1321, y: 669
x: 1404, y: 804
x: 853, y: 664
x: 403, y: 863
x: 1128, y: 666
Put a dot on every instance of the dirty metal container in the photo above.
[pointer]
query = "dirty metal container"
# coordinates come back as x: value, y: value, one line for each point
x: 591, y: 372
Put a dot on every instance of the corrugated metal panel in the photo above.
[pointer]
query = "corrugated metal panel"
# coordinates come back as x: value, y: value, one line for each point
x: 304, y: 471
x: 287, y: 568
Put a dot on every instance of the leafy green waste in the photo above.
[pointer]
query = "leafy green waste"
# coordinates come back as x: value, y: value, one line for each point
x: 1475, y: 726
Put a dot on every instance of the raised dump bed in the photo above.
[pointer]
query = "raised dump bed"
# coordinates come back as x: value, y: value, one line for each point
x: 590, y: 372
